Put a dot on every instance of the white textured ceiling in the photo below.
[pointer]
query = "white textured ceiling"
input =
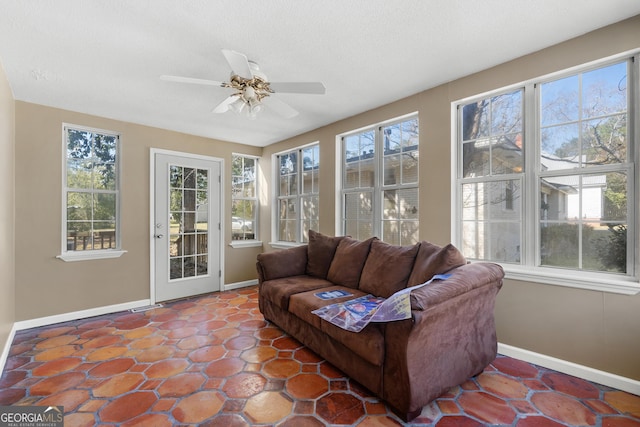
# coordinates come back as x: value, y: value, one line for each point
x: 104, y: 57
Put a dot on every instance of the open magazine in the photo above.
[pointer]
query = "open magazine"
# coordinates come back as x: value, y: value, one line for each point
x: 355, y: 314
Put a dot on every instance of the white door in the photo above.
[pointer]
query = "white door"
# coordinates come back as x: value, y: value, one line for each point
x: 186, y: 226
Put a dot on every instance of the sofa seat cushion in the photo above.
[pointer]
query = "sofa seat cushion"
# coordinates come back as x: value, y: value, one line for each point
x: 368, y: 343
x: 278, y: 291
x: 387, y: 268
x: 304, y: 303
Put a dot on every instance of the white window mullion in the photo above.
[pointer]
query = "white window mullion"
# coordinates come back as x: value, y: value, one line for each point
x: 533, y: 194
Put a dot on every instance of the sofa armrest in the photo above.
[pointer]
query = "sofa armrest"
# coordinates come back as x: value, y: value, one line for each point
x: 450, y: 337
x: 282, y: 263
x: 463, y: 279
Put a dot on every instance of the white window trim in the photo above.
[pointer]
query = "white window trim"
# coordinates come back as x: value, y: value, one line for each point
x: 588, y: 280
x: 275, y: 243
x: 250, y: 243
x: 72, y: 256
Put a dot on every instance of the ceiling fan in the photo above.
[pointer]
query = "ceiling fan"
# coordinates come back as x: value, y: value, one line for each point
x: 252, y: 89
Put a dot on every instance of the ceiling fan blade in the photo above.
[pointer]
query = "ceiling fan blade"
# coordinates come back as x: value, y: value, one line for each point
x: 223, y: 107
x: 316, y: 88
x: 281, y: 108
x: 239, y: 63
x: 191, y: 80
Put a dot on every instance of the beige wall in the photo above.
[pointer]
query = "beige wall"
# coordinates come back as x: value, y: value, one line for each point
x: 7, y: 272
x: 47, y: 286
x: 595, y: 329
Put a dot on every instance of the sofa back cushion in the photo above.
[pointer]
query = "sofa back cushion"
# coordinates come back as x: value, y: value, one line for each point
x: 433, y: 259
x: 348, y: 261
x: 320, y: 252
x: 387, y: 268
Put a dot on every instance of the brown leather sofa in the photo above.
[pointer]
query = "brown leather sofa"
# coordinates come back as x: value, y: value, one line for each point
x: 450, y: 337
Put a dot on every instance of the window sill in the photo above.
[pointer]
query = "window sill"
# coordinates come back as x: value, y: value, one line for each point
x: 90, y: 255
x: 592, y: 281
x: 238, y: 244
x: 285, y: 245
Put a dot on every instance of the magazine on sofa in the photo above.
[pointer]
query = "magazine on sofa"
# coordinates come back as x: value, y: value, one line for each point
x: 355, y: 314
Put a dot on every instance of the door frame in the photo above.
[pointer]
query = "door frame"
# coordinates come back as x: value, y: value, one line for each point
x: 152, y: 200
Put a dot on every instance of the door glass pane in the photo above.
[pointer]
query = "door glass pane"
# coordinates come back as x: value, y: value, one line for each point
x: 189, y: 222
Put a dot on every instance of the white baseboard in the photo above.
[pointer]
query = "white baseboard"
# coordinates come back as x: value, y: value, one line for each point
x: 76, y: 315
x: 238, y: 285
x: 6, y: 348
x: 601, y: 377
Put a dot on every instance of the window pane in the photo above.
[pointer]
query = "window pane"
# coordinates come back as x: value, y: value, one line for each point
x: 506, y: 154
x: 409, y: 232
x: 491, y: 241
x: 79, y: 173
x: 359, y: 154
x: 392, y: 169
x: 352, y: 174
x: 604, y: 91
x: 584, y: 222
x: 104, y: 236
x: 79, y: 206
x: 584, y: 119
x: 615, y: 197
x: 189, y: 178
x: 560, y: 147
x: 202, y: 180
x: 505, y: 242
x: 491, y: 213
x: 492, y: 136
x: 175, y: 176
x: 104, y: 207
x: 475, y: 120
x: 359, y: 215
x: 104, y: 177
x: 559, y: 243
x: 604, y: 140
x: 475, y: 158
x: 559, y: 101
x: 606, y: 249
x: 506, y: 113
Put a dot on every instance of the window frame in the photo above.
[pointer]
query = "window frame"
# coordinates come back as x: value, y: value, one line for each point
x: 297, y: 198
x: 379, y: 187
x: 529, y: 269
x: 92, y: 254
x: 255, y: 242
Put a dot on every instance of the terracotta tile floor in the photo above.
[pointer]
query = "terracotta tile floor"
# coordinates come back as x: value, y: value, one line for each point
x: 214, y: 361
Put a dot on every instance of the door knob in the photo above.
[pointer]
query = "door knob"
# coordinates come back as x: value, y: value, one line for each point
x: 159, y: 236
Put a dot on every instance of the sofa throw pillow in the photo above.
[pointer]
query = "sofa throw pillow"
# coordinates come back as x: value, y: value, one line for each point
x: 387, y: 268
x: 348, y: 261
x: 433, y: 259
x: 320, y: 253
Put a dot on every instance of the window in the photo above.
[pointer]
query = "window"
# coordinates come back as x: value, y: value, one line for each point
x: 91, y: 193
x: 545, y: 174
x: 380, y: 183
x: 244, y: 197
x: 297, y: 193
